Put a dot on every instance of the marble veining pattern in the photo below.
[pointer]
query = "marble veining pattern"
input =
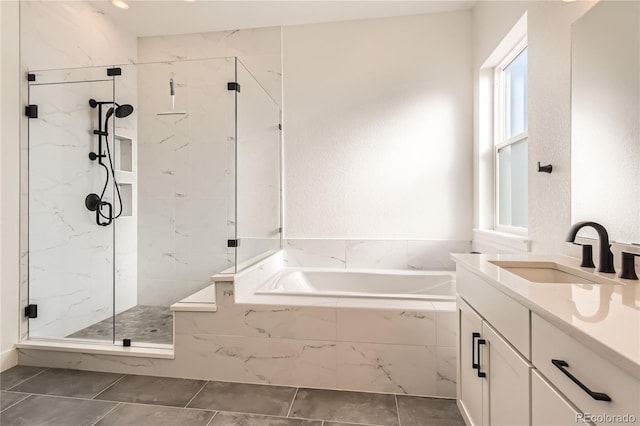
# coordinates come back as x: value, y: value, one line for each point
x: 183, y: 174
x: 386, y: 254
x: 387, y: 368
x: 316, y: 253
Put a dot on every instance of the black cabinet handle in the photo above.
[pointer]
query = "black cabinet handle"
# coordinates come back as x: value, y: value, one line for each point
x: 598, y: 396
x: 481, y: 342
x: 474, y: 336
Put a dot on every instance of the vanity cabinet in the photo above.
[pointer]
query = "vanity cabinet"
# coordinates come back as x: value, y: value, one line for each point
x: 516, y: 368
x: 548, y: 406
x: 494, y: 377
x: 598, y: 387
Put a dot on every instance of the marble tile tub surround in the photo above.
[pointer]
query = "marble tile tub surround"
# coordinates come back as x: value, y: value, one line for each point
x: 382, y: 254
x: 389, y: 348
x: 382, y: 348
x: 162, y: 401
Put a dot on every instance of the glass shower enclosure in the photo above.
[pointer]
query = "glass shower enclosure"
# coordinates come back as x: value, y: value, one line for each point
x: 144, y: 181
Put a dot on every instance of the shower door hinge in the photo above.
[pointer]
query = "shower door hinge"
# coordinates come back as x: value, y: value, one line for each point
x: 279, y: 126
x: 126, y: 342
x: 31, y: 111
x: 280, y: 230
x: 232, y: 85
x: 31, y: 77
x: 114, y: 71
x: 233, y: 243
x: 31, y: 311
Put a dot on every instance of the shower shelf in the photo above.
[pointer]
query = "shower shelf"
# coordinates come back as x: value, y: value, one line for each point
x: 125, y: 153
x: 125, y: 177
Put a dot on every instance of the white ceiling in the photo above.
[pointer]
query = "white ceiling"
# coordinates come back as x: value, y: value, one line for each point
x: 159, y: 17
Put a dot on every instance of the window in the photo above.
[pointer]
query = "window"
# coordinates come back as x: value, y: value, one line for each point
x: 510, y: 141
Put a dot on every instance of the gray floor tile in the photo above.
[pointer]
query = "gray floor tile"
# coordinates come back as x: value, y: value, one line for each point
x: 153, y: 390
x: 63, y: 382
x: 342, y: 406
x: 342, y: 424
x: 7, y: 399
x: 55, y: 411
x: 235, y: 419
x: 245, y: 398
x: 417, y: 411
x: 15, y: 375
x: 151, y: 415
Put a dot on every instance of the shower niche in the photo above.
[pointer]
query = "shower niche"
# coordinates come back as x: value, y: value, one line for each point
x: 130, y: 208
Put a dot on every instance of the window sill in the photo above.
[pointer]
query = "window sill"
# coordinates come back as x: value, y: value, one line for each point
x: 492, y: 241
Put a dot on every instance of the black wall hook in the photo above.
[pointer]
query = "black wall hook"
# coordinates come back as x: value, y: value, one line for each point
x: 544, y: 169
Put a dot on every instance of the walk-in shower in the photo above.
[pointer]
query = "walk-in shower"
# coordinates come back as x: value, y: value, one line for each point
x: 185, y: 189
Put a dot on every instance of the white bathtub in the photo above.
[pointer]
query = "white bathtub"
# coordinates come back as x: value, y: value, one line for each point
x: 383, y: 284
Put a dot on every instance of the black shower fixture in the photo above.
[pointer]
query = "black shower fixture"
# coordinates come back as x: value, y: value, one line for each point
x: 95, y: 202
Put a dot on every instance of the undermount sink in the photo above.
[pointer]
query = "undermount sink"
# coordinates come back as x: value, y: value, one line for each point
x: 549, y: 272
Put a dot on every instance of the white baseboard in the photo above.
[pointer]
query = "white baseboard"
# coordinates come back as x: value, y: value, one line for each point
x: 8, y: 359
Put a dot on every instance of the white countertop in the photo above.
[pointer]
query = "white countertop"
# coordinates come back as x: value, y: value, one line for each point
x: 606, y: 318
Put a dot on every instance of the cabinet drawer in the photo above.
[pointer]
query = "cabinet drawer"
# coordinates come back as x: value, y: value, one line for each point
x: 550, y: 408
x: 507, y: 316
x: 593, y: 371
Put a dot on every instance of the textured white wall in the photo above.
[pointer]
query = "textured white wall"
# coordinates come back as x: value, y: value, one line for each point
x: 378, y: 128
x: 9, y: 181
x: 549, y: 41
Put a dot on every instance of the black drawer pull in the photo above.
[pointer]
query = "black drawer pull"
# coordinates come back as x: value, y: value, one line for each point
x: 595, y: 395
x: 481, y: 373
x: 474, y: 336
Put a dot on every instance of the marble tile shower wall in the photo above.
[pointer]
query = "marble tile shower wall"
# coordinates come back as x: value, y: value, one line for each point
x: 71, y: 259
x: 378, y: 254
x: 184, y: 177
x: 51, y: 40
x: 187, y: 189
x: 258, y: 48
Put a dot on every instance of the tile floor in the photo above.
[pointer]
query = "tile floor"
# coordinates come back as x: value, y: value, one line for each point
x: 146, y: 324
x: 39, y: 396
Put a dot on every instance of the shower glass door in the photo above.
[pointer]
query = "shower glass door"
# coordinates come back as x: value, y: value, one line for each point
x: 258, y: 170
x: 70, y: 256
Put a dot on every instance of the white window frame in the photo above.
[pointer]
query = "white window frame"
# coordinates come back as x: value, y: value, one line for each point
x: 498, y: 133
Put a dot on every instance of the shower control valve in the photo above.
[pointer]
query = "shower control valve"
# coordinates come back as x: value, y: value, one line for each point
x: 93, y: 156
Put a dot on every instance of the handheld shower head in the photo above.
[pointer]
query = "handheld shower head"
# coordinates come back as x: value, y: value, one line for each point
x: 121, y: 111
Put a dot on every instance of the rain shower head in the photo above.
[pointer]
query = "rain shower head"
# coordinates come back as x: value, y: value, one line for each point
x: 121, y: 111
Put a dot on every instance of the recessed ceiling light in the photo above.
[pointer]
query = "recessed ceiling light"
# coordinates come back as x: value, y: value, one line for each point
x: 121, y: 4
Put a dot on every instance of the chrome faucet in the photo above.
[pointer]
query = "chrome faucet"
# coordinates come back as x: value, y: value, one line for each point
x: 606, y: 257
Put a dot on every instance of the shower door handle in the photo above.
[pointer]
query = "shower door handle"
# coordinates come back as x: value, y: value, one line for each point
x: 109, y: 217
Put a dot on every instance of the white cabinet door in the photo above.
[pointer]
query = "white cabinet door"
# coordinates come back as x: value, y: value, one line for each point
x: 508, y: 380
x: 549, y: 407
x: 470, y: 385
